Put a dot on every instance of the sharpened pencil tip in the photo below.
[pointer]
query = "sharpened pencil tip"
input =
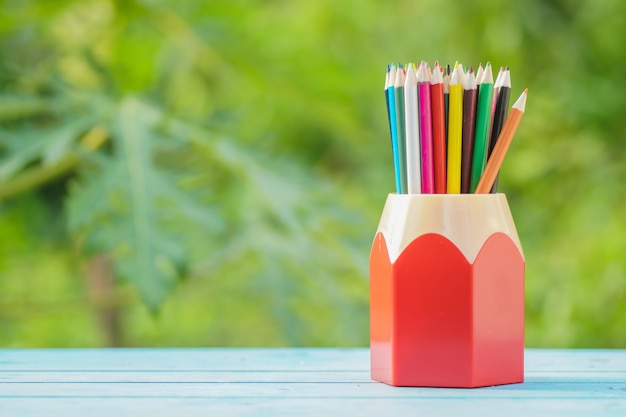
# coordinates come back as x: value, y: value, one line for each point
x: 520, y: 104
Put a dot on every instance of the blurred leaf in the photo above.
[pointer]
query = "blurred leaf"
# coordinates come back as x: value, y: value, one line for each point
x: 46, y: 146
x: 12, y: 107
x: 119, y: 208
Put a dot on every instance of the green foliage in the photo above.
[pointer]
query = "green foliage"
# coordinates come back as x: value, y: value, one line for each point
x: 243, y: 146
x: 119, y: 209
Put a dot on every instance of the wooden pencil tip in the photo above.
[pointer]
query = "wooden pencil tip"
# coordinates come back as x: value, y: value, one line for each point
x: 520, y: 104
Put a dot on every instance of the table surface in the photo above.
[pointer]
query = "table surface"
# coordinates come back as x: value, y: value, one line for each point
x: 274, y: 382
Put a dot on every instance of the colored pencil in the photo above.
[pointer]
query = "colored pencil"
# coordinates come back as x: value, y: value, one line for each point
x: 426, y: 130
x: 446, y: 97
x: 483, y: 118
x: 469, y: 115
x: 387, y: 101
x: 496, y: 90
x: 502, y: 107
x: 437, y: 105
x: 455, y: 131
x: 502, y: 145
x: 461, y: 72
x: 479, y: 75
x: 400, y: 122
x: 394, y: 128
x: 412, y: 121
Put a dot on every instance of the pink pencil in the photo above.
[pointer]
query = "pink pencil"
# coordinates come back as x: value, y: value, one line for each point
x: 426, y: 129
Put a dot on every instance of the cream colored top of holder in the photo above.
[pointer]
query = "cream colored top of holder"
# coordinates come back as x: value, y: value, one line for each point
x: 467, y: 220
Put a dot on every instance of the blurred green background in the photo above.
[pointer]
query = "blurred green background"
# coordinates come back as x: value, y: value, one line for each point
x: 211, y: 173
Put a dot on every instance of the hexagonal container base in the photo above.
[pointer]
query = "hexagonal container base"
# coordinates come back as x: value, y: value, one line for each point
x: 447, y: 293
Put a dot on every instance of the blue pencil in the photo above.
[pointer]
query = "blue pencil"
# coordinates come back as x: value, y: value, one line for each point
x: 387, y: 98
x: 394, y: 129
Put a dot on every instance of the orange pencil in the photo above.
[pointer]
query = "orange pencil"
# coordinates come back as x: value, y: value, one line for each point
x: 439, y: 130
x: 502, y: 145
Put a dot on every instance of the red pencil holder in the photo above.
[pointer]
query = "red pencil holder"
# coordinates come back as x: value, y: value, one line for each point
x: 447, y: 292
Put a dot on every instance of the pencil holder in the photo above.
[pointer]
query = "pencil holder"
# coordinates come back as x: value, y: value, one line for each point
x: 447, y: 292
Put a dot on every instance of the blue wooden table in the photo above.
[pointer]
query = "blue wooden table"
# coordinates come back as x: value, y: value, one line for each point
x: 290, y: 382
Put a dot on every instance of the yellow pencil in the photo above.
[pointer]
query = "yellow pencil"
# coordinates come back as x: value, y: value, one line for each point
x: 455, y: 131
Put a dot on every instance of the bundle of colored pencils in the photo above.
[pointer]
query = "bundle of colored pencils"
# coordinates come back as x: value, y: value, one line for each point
x: 450, y: 130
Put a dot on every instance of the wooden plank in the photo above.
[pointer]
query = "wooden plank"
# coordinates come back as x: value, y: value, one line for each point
x: 324, y: 359
x: 575, y: 359
x: 260, y: 407
x: 320, y: 377
x: 575, y: 389
x: 197, y: 376
x: 184, y: 359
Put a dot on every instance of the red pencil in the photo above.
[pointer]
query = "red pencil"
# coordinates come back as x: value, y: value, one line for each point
x: 439, y: 130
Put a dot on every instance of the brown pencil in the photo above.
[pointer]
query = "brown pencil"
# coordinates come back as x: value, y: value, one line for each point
x: 502, y: 145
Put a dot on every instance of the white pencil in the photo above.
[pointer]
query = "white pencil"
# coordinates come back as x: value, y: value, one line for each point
x: 411, y: 112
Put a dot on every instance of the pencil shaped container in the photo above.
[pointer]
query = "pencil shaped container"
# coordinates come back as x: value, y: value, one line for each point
x: 447, y: 292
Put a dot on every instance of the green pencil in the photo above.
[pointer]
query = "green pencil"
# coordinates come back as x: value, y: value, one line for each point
x: 483, y: 121
x: 400, y: 123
